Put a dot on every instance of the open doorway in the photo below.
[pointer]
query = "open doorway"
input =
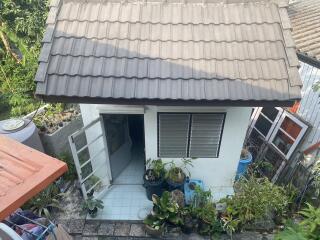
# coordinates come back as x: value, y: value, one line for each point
x: 126, y: 199
x: 125, y: 139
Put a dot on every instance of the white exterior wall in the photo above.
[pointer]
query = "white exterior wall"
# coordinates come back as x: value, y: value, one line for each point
x: 309, y: 108
x: 217, y: 173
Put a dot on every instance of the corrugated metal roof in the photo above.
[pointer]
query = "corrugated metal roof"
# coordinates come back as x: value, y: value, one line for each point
x: 24, y: 172
x: 190, y: 50
x: 305, y: 18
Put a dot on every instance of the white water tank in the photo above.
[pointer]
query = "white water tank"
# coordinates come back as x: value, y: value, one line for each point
x: 23, y: 131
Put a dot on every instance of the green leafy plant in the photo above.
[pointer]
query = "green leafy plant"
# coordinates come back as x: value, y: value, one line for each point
x: 47, y: 200
x: 91, y: 204
x: 155, y: 169
x: 21, y: 28
x: 254, y: 199
x: 178, y: 172
x: 311, y: 222
x: 230, y: 224
x: 307, y: 229
x: 71, y: 174
x: 154, y: 222
x: 165, y: 209
x: 201, y: 197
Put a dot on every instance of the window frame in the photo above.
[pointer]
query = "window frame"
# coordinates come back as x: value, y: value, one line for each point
x: 304, y: 128
x: 189, y: 131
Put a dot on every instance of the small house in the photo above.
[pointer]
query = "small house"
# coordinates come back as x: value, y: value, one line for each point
x: 164, y: 79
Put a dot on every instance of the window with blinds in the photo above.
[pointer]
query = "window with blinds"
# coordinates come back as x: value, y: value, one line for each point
x: 189, y: 134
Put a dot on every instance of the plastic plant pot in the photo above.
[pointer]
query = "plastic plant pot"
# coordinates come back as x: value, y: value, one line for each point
x: 243, y: 166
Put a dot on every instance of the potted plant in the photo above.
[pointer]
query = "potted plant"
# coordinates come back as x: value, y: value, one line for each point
x: 189, y: 222
x: 91, y: 206
x: 154, y: 177
x: 176, y: 174
x: 207, y: 217
x: 165, y: 211
x: 154, y: 226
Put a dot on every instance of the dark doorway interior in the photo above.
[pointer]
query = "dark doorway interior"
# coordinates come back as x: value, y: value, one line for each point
x: 136, y: 130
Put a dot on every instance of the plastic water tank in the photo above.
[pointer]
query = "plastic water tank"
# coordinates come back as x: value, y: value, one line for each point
x: 23, y: 131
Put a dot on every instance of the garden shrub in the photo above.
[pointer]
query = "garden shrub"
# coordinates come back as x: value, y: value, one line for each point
x: 71, y: 174
x: 308, y: 229
x: 254, y: 199
x: 22, y: 24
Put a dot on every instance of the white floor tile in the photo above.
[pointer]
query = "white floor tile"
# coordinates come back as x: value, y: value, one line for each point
x: 126, y: 199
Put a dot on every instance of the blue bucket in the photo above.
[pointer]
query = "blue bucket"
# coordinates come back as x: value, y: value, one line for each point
x: 243, y: 166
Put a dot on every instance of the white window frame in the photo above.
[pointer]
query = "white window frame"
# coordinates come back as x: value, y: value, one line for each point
x: 256, y: 114
x: 296, y: 141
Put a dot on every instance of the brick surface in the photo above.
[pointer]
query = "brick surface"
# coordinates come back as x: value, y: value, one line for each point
x: 137, y: 230
x: 106, y: 229
x: 91, y: 228
x: 76, y: 226
x: 122, y: 229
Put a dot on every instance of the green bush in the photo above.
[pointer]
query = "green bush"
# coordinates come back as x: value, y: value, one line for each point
x: 308, y: 229
x: 254, y: 199
x: 21, y: 28
x: 71, y: 174
x: 44, y: 202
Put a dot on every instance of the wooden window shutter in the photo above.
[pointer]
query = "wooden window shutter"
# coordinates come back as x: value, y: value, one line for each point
x: 205, y: 136
x: 173, y: 135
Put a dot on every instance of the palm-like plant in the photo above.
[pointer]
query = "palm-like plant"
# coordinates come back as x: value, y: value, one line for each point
x: 46, y: 201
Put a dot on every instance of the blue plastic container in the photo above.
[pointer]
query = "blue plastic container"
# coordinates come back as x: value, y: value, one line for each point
x: 188, y: 192
x: 243, y: 166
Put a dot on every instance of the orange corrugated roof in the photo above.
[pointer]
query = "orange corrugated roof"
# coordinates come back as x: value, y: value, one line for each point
x: 24, y: 172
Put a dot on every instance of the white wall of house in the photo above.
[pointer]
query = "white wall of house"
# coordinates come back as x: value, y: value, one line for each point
x: 217, y: 173
x: 309, y: 108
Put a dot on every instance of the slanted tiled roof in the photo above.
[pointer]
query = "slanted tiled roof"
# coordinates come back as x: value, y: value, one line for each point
x: 24, y: 172
x: 169, y: 50
x: 305, y: 18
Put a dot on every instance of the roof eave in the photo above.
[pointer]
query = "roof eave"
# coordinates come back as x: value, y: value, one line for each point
x: 169, y: 102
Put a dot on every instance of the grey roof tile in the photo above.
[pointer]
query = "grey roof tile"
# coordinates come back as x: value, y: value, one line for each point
x: 305, y: 21
x: 173, y: 50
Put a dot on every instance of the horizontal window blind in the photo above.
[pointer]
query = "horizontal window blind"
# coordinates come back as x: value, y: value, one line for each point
x: 173, y: 135
x: 205, y: 135
x: 189, y: 134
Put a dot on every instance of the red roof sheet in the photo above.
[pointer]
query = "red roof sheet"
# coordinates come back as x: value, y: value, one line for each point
x: 24, y: 172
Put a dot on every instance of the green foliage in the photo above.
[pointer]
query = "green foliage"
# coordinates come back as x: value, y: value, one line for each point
x: 49, y: 114
x: 26, y: 18
x: 17, y: 84
x: 21, y: 27
x: 91, y: 203
x: 165, y: 209
x: 311, y: 222
x: 253, y: 200
x: 45, y: 201
x: 71, y: 174
x: 200, y: 198
x: 154, y: 222
x: 157, y: 169
x: 177, y: 173
x: 308, y: 229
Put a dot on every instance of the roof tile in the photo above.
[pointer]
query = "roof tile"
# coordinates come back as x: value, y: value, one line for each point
x: 168, y: 50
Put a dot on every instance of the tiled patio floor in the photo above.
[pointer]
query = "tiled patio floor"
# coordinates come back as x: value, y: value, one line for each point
x: 126, y: 199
